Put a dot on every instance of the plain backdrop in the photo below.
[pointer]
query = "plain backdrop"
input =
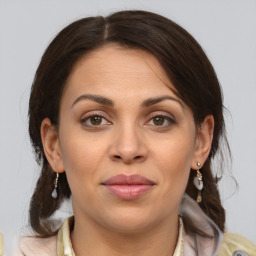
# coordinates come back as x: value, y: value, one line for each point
x: 226, y: 29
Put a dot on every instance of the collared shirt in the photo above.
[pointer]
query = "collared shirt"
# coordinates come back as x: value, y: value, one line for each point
x: 191, y: 242
x: 1, y: 244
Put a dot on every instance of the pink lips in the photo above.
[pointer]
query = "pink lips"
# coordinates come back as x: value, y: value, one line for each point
x: 128, y: 187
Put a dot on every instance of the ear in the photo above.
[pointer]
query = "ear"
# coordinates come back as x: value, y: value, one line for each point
x: 203, y: 142
x: 51, y: 145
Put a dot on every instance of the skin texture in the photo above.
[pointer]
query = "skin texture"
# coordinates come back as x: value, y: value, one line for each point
x: 160, y: 142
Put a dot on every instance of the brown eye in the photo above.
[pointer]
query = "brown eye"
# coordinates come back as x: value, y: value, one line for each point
x: 159, y: 120
x: 95, y: 120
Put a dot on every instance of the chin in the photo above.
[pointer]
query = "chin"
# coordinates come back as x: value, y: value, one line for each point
x: 130, y: 221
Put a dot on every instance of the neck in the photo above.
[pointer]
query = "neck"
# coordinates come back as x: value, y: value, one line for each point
x: 90, y: 238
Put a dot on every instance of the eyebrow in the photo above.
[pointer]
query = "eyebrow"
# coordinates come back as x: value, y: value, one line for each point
x: 108, y: 102
x: 96, y: 98
x: 151, y: 101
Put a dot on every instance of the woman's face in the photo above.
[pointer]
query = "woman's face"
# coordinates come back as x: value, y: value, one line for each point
x: 125, y: 141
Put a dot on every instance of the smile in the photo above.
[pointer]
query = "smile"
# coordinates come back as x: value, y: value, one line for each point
x: 128, y: 187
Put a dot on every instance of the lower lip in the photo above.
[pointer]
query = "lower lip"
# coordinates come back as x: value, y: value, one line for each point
x: 129, y: 192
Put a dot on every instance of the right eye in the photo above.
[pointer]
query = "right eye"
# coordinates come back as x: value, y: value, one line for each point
x: 94, y: 120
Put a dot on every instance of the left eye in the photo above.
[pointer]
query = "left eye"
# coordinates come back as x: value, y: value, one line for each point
x: 94, y: 120
x: 163, y: 121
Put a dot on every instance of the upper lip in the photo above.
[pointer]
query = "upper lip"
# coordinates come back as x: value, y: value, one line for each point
x: 122, y: 179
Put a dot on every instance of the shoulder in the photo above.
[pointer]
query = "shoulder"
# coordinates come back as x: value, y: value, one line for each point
x: 52, y: 246
x: 30, y: 246
x: 1, y: 244
x: 233, y: 243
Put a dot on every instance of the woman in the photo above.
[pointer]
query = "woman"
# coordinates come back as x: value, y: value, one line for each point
x: 126, y: 115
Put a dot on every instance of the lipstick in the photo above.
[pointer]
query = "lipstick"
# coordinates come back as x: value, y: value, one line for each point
x: 128, y: 187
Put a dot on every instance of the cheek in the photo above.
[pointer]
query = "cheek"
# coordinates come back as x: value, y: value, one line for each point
x: 81, y: 157
x: 174, y: 158
x: 176, y: 153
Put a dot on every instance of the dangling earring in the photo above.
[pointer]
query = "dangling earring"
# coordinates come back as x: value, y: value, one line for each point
x: 198, y: 182
x: 54, y: 192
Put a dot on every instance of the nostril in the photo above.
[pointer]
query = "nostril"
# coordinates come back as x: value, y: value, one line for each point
x: 127, y: 159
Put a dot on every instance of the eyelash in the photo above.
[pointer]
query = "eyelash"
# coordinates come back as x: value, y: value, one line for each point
x: 170, y: 121
x: 85, y: 119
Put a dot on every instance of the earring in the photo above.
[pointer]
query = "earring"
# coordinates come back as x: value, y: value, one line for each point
x: 198, y: 182
x: 54, y: 192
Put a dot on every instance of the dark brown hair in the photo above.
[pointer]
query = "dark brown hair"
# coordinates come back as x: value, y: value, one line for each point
x: 185, y: 64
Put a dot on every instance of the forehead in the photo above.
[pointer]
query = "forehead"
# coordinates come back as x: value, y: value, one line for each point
x: 121, y: 59
x: 115, y: 69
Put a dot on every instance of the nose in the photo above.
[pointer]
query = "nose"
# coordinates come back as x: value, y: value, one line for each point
x: 128, y: 145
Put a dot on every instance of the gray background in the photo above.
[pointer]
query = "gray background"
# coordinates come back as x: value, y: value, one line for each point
x: 226, y: 29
